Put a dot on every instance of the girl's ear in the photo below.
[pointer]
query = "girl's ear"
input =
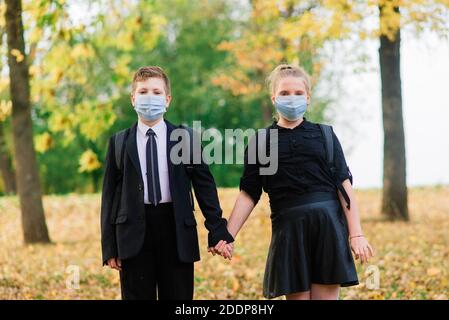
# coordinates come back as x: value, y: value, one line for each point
x: 272, y: 99
x: 133, y: 99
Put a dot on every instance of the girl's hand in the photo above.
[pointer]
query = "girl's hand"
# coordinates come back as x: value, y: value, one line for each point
x: 222, y: 248
x: 361, y: 248
x: 227, y: 251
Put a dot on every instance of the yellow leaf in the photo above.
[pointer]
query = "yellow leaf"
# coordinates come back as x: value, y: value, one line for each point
x: 89, y: 161
x: 18, y: 55
x: 43, y: 142
x: 5, y: 109
x: 235, y: 284
x: 431, y: 272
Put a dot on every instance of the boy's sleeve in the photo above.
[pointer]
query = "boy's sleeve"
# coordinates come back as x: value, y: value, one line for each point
x: 251, y: 181
x: 108, y: 238
x: 206, y: 194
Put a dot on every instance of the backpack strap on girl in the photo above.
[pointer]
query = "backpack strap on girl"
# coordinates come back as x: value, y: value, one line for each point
x: 326, y: 130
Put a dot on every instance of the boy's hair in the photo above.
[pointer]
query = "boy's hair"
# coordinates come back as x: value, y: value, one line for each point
x: 287, y: 70
x: 144, y: 73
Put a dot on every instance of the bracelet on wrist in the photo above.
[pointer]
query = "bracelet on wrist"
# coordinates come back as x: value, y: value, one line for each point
x: 357, y: 236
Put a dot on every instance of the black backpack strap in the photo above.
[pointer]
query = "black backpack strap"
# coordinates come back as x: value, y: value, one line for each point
x: 119, y: 143
x: 262, y: 145
x: 326, y: 130
x: 329, y: 143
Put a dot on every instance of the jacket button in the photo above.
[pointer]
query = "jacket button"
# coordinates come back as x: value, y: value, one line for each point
x: 140, y: 187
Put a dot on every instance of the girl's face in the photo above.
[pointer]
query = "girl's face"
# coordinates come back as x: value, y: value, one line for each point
x: 151, y: 86
x: 290, y: 86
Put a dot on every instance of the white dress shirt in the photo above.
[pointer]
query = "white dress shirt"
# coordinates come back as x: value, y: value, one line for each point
x: 160, y: 129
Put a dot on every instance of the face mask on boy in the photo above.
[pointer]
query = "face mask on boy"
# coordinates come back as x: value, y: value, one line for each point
x: 291, y: 107
x: 150, y: 107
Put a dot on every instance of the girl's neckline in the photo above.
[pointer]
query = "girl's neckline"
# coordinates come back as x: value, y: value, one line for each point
x: 293, y: 128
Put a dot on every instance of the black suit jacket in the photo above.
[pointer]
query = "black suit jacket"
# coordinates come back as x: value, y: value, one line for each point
x: 124, y: 236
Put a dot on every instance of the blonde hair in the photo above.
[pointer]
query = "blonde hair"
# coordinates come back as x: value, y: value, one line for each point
x: 287, y: 70
x: 143, y: 73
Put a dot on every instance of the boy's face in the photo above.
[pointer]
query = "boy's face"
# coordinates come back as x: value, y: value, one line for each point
x: 150, y: 86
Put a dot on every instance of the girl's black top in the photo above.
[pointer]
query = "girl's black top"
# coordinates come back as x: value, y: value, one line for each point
x: 302, y: 167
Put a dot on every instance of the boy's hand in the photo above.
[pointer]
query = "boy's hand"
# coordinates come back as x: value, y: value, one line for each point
x: 115, y: 263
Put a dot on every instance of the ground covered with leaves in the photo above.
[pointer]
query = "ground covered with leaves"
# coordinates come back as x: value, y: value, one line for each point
x: 412, y: 257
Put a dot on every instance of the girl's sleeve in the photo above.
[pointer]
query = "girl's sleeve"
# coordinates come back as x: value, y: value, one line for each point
x: 342, y: 169
x: 251, y: 182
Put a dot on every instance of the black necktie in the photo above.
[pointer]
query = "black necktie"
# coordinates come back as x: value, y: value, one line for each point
x: 154, y: 188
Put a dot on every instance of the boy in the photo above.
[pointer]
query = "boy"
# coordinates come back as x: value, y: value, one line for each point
x: 148, y: 229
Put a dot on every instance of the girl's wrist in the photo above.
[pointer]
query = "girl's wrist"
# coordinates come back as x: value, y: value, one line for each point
x: 356, y: 236
x: 232, y: 232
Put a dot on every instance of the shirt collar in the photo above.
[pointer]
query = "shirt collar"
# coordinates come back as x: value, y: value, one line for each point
x: 159, y: 128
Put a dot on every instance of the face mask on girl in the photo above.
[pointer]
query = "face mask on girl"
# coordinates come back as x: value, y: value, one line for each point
x: 291, y: 107
x: 150, y: 107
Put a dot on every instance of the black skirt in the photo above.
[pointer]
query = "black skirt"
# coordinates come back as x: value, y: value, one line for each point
x: 309, y: 244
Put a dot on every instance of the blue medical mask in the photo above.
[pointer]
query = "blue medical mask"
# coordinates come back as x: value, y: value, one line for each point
x: 291, y: 107
x: 150, y: 107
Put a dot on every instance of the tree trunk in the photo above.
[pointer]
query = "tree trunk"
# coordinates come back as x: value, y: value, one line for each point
x: 6, y: 169
x: 394, y: 197
x: 27, y: 177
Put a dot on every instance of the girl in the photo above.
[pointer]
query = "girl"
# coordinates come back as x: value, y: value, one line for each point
x: 309, y: 255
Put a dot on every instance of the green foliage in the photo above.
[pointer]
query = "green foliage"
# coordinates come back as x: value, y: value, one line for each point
x: 81, y: 73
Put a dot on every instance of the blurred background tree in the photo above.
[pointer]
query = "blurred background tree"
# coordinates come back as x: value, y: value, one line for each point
x: 82, y: 55
x: 81, y: 70
x: 34, y: 226
x: 392, y: 16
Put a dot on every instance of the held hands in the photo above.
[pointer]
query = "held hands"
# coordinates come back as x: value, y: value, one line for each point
x: 361, y: 248
x: 223, y: 248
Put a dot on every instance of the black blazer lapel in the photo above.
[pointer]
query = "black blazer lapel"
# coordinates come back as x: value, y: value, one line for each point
x: 131, y: 149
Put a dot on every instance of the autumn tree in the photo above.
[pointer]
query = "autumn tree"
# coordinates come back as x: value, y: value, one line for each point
x: 33, y: 219
x: 87, y: 92
x: 394, y: 16
x: 295, y: 31
x: 394, y: 193
x: 280, y: 32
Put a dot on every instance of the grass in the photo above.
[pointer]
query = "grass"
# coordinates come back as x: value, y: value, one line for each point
x: 412, y: 257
